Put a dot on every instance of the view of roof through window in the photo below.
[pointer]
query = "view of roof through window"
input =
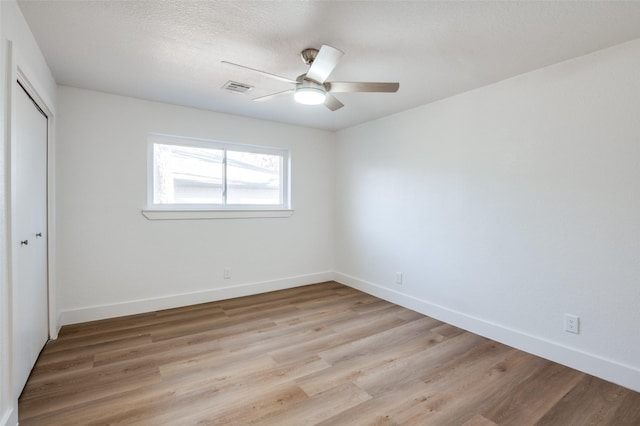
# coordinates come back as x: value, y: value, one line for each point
x: 197, y: 175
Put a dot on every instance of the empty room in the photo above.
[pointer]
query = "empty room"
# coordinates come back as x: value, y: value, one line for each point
x: 319, y: 212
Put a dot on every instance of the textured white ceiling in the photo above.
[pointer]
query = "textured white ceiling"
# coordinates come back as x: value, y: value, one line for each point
x: 170, y: 51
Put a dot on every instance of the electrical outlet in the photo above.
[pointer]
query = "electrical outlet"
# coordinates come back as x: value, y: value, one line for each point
x: 226, y: 273
x: 571, y: 323
x: 399, y: 278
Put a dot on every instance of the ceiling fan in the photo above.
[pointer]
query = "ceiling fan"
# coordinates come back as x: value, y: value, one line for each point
x: 313, y: 88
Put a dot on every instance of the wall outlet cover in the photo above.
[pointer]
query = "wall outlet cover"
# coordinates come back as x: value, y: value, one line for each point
x: 571, y: 323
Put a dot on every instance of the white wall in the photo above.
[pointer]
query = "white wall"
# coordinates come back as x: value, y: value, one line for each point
x: 506, y: 207
x: 113, y: 261
x: 8, y: 415
x: 18, y: 51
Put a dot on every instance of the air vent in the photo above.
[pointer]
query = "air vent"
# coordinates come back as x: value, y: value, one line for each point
x: 234, y: 86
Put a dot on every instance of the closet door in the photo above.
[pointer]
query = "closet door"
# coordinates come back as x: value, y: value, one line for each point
x: 29, y: 217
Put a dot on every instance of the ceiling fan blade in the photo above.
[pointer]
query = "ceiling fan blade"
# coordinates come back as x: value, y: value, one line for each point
x: 332, y: 103
x: 273, y: 95
x: 268, y: 74
x: 347, y: 86
x: 324, y: 63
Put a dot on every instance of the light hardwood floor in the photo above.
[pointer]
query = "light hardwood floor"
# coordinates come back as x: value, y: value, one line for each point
x: 321, y: 354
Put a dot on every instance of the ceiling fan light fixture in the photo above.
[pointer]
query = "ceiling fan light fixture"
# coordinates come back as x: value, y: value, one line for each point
x: 309, y: 95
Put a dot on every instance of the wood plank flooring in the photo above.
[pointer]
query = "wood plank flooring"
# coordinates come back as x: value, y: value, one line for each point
x: 323, y: 354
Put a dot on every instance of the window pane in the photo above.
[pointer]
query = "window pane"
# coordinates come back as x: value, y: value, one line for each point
x: 187, y: 175
x: 254, y: 178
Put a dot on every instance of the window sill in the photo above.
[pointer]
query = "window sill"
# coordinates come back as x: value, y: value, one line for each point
x: 213, y: 214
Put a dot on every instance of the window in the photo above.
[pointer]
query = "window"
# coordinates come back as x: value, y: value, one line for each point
x: 188, y: 174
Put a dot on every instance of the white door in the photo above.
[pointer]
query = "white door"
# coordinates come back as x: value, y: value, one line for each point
x: 30, y: 292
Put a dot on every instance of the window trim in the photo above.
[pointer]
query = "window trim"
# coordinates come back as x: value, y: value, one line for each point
x: 216, y: 211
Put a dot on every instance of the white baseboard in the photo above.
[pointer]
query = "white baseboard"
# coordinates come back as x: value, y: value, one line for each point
x: 92, y: 313
x: 607, y: 369
x: 9, y: 418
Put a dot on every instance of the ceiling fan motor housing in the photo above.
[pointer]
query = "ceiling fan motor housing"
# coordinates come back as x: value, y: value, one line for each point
x: 307, y: 82
x: 304, y: 81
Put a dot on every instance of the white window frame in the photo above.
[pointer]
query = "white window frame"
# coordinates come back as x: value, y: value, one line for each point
x: 216, y: 211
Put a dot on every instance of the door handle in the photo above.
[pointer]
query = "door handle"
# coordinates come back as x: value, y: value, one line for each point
x: 24, y: 242
x: 39, y: 235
